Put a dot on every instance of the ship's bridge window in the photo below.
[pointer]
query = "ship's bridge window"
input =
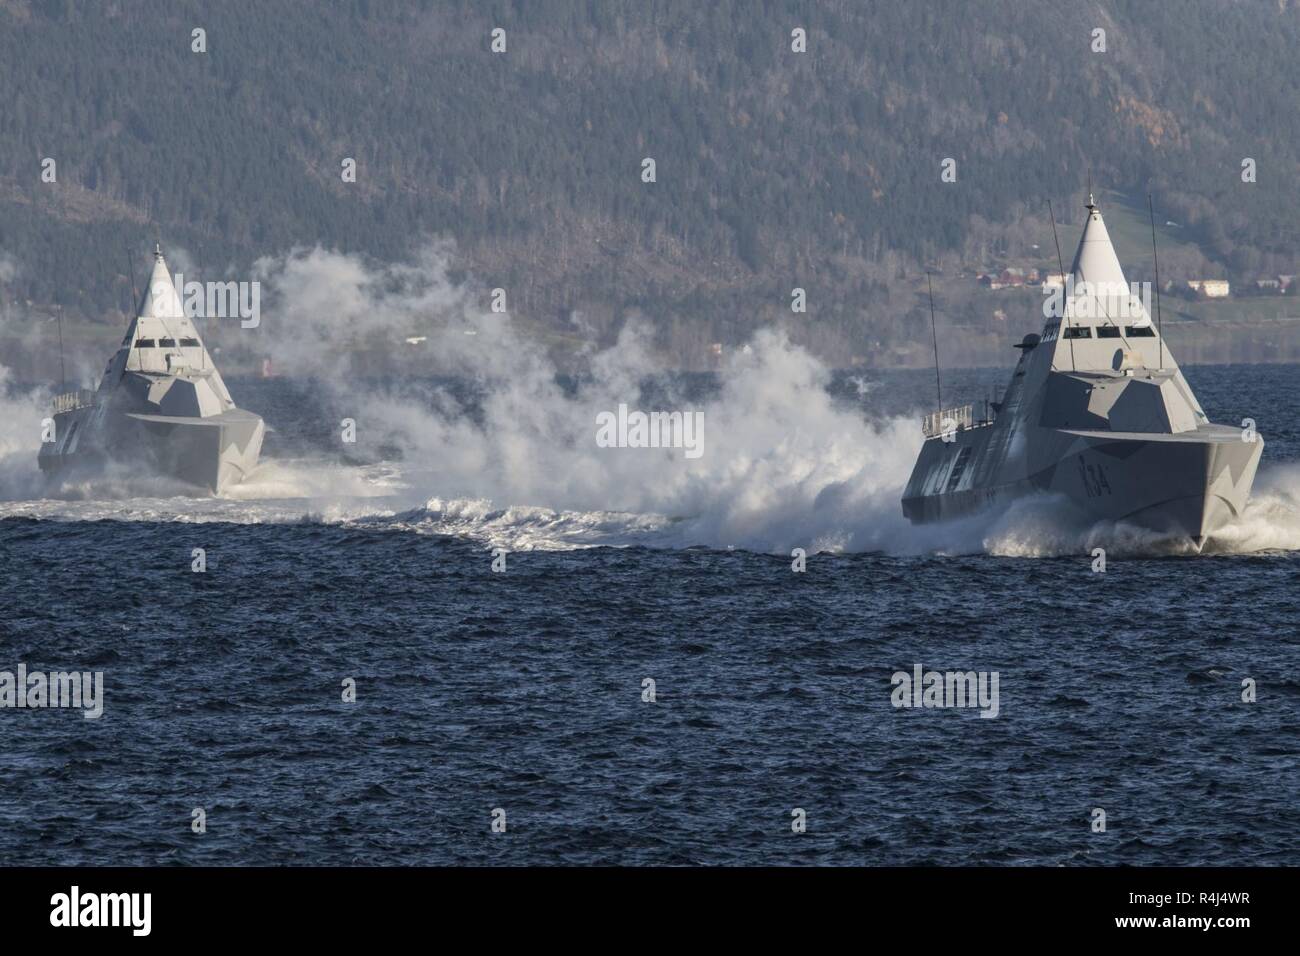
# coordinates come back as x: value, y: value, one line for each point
x: 146, y: 344
x: 1108, y: 331
x: 1079, y: 332
x: 189, y: 343
x: 1140, y: 332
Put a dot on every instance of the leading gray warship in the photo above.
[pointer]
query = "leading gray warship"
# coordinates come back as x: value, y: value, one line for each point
x: 1097, y: 411
x: 161, y: 407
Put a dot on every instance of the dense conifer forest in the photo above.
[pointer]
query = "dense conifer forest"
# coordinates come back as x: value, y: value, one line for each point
x: 773, y: 168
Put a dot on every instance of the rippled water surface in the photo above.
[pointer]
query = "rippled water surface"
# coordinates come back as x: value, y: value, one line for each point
x: 523, y: 690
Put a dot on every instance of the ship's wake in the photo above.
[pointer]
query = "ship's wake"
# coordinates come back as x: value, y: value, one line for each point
x: 755, y: 509
x: 1047, y: 526
x: 1271, y: 521
x: 784, y: 463
x: 858, y: 512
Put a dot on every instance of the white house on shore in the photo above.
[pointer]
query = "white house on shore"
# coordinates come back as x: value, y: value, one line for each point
x: 1210, y: 288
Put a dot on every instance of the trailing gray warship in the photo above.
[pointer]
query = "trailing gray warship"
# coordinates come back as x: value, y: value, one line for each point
x: 161, y: 407
x: 1098, y: 412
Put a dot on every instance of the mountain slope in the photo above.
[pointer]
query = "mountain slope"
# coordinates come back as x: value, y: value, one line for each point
x: 774, y: 169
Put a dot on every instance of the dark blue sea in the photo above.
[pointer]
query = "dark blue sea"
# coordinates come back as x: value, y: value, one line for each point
x: 521, y: 690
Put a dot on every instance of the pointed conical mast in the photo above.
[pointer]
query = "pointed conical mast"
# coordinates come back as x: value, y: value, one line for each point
x: 1102, y: 298
x: 1095, y: 261
x: 161, y: 327
x: 160, y: 300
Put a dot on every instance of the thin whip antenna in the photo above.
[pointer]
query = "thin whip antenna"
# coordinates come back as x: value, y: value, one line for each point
x: 135, y: 298
x: 934, y: 334
x: 1065, y: 312
x: 63, y: 374
x: 1155, y: 259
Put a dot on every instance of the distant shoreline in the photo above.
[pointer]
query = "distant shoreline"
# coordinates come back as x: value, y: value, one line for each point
x: 1212, y: 342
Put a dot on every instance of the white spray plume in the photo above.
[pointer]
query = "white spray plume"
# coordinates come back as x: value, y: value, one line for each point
x: 784, y: 464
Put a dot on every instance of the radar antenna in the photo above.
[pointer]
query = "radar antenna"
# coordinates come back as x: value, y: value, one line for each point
x: 1065, y: 313
x: 1155, y: 260
x: 938, y: 388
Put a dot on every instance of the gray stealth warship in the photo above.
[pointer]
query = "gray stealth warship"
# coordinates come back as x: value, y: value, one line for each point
x: 1097, y: 411
x: 161, y: 406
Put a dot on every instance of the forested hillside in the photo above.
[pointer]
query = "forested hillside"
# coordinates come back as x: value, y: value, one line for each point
x: 774, y: 168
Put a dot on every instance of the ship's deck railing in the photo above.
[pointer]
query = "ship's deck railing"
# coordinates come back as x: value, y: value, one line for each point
x: 71, y: 401
x: 950, y: 420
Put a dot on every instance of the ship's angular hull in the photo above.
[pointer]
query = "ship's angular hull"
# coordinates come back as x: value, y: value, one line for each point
x: 210, y: 453
x: 1189, y: 485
